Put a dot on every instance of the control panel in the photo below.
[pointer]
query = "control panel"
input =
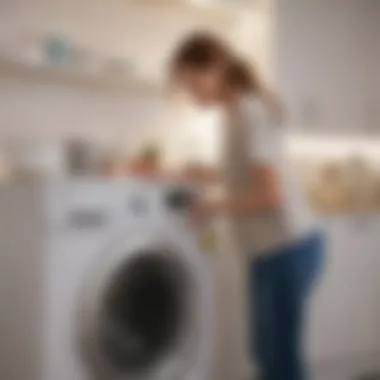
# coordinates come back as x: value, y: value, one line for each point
x: 179, y: 199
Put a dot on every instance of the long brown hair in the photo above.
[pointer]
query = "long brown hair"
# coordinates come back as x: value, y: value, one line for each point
x: 203, y: 49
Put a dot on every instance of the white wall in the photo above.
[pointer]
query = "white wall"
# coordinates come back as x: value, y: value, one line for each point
x: 48, y: 112
x: 108, y: 28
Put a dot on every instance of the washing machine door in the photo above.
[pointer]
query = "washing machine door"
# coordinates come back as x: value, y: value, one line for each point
x: 140, y: 312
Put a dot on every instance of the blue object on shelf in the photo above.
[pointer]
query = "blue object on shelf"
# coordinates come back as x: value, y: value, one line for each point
x: 57, y: 50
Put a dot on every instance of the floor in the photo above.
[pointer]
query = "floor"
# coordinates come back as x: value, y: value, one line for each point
x: 366, y: 368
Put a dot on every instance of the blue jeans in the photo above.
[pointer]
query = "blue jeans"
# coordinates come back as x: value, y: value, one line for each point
x: 280, y: 286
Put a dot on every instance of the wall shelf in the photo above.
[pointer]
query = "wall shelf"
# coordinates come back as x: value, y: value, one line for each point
x: 217, y: 13
x: 56, y: 76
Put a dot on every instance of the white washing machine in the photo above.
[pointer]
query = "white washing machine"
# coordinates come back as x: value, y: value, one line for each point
x: 102, y: 280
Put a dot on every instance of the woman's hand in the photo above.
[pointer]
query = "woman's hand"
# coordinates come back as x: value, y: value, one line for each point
x: 200, y: 174
x: 205, y: 210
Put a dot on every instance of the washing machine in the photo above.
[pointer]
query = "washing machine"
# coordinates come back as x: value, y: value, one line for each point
x: 102, y: 280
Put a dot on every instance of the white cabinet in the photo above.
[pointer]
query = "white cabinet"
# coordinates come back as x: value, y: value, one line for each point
x: 324, y: 62
x: 326, y: 334
x: 375, y: 242
x: 345, y: 309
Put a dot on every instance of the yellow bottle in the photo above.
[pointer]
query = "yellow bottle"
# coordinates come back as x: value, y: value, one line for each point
x: 208, y: 241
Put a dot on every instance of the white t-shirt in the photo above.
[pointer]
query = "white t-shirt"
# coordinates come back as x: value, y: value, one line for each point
x: 250, y: 137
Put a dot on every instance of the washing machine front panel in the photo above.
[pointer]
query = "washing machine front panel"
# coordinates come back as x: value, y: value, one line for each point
x: 72, y: 252
x: 101, y: 236
x: 83, y: 217
x: 114, y: 202
x: 86, y: 203
x: 143, y: 308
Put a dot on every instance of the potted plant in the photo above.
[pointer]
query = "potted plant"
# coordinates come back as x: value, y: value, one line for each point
x: 148, y: 160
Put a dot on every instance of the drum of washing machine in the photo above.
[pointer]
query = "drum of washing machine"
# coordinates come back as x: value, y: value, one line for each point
x: 140, y: 315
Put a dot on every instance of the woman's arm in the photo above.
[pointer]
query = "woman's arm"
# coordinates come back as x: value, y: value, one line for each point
x: 201, y: 175
x: 263, y: 196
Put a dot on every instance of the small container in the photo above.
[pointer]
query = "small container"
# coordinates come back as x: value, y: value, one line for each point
x: 82, y: 158
x: 57, y: 50
x: 208, y: 239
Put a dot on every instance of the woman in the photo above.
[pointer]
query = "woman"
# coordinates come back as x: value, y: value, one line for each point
x: 269, y: 216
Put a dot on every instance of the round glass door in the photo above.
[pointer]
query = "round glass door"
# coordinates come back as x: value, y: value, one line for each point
x: 144, y: 311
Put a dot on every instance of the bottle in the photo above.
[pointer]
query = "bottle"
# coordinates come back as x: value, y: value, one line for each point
x: 57, y: 50
x: 208, y: 240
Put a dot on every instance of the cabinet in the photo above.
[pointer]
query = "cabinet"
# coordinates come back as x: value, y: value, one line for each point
x: 345, y: 310
x: 324, y: 63
x: 375, y: 243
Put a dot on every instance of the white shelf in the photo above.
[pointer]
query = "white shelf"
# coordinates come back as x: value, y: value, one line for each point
x: 213, y: 12
x: 43, y: 74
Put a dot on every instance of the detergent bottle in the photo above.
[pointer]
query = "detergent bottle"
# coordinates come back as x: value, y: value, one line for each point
x: 208, y: 238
